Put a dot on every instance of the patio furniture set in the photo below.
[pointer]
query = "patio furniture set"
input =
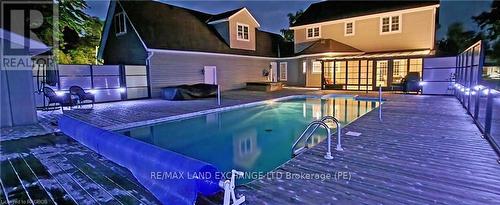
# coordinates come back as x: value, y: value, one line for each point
x: 76, y: 97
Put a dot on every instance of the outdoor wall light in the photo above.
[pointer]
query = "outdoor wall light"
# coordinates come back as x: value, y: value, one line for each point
x: 422, y: 83
x: 59, y: 93
x: 122, y: 90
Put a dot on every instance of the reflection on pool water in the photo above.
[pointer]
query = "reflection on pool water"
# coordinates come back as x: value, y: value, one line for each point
x: 254, y: 139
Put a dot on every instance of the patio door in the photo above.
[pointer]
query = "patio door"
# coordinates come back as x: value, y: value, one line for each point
x: 273, y: 71
x: 382, y: 70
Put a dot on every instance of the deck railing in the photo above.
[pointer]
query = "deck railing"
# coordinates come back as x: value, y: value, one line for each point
x: 478, y: 96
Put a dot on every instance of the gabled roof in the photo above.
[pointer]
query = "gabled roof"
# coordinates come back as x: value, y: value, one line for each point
x: 226, y: 16
x: 328, y: 46
x: 168, y: 27
x: 336, y: 10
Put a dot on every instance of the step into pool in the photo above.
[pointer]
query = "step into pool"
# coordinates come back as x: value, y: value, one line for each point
x: 254, y: 139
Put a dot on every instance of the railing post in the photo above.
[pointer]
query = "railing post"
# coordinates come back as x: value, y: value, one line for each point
x: 329, y: 152
x: 218, y: 95
x: 489, y: 113
x: 380, y: 103
x: 339, y: 144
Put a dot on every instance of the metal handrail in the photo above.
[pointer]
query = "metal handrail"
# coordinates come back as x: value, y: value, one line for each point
x: 328, y: 130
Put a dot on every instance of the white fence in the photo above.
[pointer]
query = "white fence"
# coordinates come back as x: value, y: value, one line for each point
x: 438, y: 75
x: 107, y: 82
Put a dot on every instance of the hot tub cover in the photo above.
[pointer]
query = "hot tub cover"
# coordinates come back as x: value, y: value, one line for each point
x: 186, y: 92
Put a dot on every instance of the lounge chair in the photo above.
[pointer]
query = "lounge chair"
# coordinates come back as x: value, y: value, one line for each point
x: 82, y: 95
x: 63, y: 100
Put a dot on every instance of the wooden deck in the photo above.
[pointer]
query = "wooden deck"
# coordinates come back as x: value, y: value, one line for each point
x: 426, y: 150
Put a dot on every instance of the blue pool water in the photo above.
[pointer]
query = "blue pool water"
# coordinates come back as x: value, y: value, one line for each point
x: 253, y: 139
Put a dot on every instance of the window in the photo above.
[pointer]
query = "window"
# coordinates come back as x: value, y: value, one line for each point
x: 340, y: 72
x: 416, y: 65
x: 349, y: 29
x: 395, y: 23
x: 304, y: 67
x: 382, y: 67
x: 316, y: 67
x: 313, y: 32
x: 283, y: 71
x: 120, y: 24
x: 242, y: 32
x: 390, y: 24
x: 399, y: 70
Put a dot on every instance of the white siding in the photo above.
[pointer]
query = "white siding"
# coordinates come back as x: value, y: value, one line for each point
x: 169, y: 69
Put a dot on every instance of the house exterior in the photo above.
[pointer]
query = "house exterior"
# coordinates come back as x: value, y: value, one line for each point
x: 338, y: 45
x: 362, y: 45
x: 180, y: 46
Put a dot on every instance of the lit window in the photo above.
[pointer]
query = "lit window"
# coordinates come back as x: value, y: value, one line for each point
x: 390, y: 24
x: 242, y: 32
x: 283, y: 71
x: 313, y: 32
x: 120, y: 24
x: 316, y: 67
x: 349, y: 29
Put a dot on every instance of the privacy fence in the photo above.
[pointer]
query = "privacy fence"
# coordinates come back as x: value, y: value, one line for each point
x: 478, y: 96
x: 107, y: 82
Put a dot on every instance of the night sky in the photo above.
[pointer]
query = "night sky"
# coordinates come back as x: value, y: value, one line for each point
x: 272, y: 14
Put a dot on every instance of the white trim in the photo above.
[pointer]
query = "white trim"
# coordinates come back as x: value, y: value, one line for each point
x: 313, y: 37
x: 357, y: 18
x: 230, y: 17
x: 243, y: 31
x: 353, y: 28
x: 124, y: 16
x: 400, y: 24
x: 106, y: 28
x: 281, y: 71
x: 133, y: 27
x: 255, y: 57
x: 304, y: 66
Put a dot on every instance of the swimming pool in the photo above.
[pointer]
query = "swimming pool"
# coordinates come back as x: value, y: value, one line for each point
x: 253, y: 139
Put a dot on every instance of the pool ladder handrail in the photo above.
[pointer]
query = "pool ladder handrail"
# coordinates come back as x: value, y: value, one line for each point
x: 328, y: 130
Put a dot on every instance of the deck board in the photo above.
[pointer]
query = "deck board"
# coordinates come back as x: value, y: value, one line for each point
x: 425, y: 150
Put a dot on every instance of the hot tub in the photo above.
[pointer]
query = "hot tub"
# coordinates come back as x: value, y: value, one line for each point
x: 264, y: 86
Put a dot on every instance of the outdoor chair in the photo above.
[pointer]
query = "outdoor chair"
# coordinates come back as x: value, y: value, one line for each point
x: 82, y: 95
x: 62, y: 100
